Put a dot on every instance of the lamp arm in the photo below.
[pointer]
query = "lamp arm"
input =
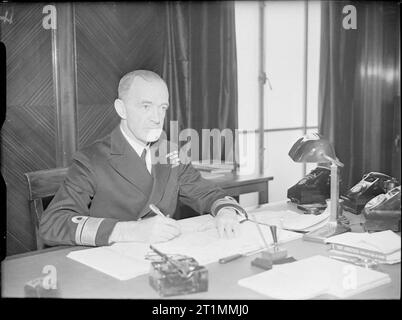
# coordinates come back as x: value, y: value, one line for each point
x: 334, y: 161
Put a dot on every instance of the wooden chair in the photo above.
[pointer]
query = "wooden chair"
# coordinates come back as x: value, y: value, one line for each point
x: 42, y: 186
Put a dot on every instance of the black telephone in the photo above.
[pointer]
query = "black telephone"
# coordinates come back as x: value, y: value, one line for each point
x: 313, y: 188
x: 371, y: 185
x: 383, y: 212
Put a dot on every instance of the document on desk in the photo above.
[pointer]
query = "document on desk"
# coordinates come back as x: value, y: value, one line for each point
x: 314, y: 276
x: 292, y: 220
x: 207, y: 247
x: 112, y: 262
x: 384, y: 246
x: 385, y: 242
x: 199, y: 239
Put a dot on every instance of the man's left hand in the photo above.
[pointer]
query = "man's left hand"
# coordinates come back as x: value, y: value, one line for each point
x: 227, y: 223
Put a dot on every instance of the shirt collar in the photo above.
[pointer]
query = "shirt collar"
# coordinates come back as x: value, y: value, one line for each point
x: 138, y: 147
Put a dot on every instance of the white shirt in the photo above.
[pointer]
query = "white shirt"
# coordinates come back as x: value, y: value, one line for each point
x: 138, y: 147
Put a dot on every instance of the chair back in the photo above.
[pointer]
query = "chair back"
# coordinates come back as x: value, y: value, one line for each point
x: 42, y: 186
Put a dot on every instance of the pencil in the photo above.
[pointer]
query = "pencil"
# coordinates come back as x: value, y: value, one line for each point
x: 156, y: 210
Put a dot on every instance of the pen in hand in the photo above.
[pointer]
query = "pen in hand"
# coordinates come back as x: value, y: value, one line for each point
x: 156, y: 210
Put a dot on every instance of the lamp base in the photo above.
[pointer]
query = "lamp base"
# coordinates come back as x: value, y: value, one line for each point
x: 328, y: 230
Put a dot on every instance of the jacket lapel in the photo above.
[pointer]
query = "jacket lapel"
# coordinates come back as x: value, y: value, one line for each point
x: 126, y: 161
x: 160, y: 173
x: 130, y: 166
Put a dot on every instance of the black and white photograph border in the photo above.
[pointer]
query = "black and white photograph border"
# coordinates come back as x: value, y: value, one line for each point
x: 198, y: 156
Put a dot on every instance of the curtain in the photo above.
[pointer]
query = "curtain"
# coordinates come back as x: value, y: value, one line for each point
x: 200, y: 65
x: 359, y: 92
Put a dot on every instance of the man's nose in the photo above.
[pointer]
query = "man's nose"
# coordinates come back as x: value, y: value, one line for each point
x: 155, y: 116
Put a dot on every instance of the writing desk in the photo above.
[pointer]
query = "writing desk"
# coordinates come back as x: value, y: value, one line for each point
x: 236, y: 185
x: 76, y: 280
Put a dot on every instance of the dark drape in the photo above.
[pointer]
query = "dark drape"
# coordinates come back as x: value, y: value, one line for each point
x: 200, y: 65
x: 359, y: 96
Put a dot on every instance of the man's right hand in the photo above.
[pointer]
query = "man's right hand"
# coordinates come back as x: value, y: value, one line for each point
x: 149, y: 230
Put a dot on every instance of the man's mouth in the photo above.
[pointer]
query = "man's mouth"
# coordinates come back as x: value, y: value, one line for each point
x: 153, y: 134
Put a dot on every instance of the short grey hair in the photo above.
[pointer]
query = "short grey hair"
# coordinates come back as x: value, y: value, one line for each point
x: 127, y: 80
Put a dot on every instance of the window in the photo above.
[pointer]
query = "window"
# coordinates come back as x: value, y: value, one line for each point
x: 282, y: 40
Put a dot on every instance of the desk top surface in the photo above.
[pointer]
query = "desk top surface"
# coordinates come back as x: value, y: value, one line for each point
x: 238, y: 179
x: 76, y: 280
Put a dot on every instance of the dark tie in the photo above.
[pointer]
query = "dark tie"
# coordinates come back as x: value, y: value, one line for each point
x: 143, y: 155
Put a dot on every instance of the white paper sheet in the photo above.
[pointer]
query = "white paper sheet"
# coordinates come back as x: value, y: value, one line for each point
x: 207, y: 247
x: 385, y: 242
x: 111, y: 262
x: 286, y: 219
x: 292, y: 220
x: 310, y: 277
x: 199, y: 239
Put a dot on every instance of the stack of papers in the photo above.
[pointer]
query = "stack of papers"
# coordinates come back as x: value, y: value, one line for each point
x: 111, y: 262
x: 207, y: 247
x: 291, y: 220
x: 314, y: 276
x: 199, y: 239
x: 384, y: 246
x: 214, y: 167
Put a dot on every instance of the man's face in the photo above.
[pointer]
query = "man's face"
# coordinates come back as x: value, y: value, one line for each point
x: 146, y: 104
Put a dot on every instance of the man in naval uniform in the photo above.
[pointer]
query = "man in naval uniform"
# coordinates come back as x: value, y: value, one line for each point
x: 110, y: 184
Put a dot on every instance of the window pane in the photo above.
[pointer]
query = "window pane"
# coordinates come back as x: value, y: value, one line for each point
x: 313, y: 67
x: 284, y: 53
x: 247, y: 15
x: 278, y: 164
x: 248, y: 153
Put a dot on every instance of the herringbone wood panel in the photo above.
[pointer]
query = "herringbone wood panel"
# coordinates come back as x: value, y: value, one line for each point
x: 28, y: 134
x: 111, y: 40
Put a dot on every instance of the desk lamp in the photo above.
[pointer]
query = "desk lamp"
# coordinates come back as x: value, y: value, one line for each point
x: 314, y: 148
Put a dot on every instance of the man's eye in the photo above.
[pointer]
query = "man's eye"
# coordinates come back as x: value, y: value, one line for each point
x: 164, y: 108
x: 146, y: 106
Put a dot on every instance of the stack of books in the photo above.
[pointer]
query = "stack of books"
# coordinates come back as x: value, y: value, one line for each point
x: 214, y: 167
x: 383, y: 247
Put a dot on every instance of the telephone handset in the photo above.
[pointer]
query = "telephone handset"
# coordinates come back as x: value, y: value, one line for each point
x: 371, y: 185
x: 314, y: 188
x: 387, y: 201
x: 384, y: 211
x: 371, y: 179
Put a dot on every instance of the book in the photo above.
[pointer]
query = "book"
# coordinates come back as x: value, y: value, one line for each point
x: 211, y: 175
x: 216, y: 171
x: 366, y: 253
x: 384, y: 242
x: 389, y: 259
x: 312, y: 277
x: 215, y: 166
x: 384, y: 246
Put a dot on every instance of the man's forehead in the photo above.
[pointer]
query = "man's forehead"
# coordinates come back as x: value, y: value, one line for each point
x: 144, y: 89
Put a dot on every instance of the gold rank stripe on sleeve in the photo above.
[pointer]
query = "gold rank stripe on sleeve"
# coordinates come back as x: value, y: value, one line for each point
x: 86, y: 231
x: 226, y: 202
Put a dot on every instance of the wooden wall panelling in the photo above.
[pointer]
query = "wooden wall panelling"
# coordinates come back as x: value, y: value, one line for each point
x: 64, y: 79
x: 61, y: 85
x: 111, y: 40
x: 28, y: 133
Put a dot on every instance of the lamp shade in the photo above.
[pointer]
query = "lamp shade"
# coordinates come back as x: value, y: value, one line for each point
x: 312, y: 148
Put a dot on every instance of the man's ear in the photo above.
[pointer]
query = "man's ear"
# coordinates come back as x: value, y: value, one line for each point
x: 120, y: 108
